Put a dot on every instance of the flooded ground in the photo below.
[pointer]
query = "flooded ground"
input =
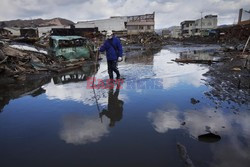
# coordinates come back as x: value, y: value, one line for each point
x: 162, y: 116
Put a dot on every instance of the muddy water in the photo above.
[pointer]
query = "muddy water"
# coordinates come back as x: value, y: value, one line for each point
x: 160, y: 117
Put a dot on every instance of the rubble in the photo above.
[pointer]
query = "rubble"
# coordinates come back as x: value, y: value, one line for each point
x: 17, y: 63
x: 229, y: 81
x: 148, y: 40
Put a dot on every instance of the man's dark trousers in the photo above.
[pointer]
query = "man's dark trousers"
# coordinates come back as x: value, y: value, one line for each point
x: 112, y: 67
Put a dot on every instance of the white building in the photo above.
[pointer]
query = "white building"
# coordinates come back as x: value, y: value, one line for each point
x: 199, y: 27
x: 131, y: 24
x: 141, y: 23
x: 205, y: 24
x: 113, y: 23
x: 175, y: 32
x: 187, y: 27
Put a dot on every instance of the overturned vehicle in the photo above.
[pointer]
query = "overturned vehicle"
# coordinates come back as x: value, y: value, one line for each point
x: 70, y: 47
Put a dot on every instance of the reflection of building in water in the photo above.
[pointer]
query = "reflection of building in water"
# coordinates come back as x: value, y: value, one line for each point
x: 140, y: 58
x: 115, y: 107
x: 137, y: 55
x: 78, y: 75
x: 197, y: 55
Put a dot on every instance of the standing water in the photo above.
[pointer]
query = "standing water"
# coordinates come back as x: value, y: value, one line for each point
x: 161, y: 116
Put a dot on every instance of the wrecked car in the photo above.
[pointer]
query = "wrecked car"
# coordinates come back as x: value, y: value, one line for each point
x: 69, y: 47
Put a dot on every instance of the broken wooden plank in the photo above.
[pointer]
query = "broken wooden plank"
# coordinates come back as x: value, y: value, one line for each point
x: 195, y: 61
x: 4, y: 60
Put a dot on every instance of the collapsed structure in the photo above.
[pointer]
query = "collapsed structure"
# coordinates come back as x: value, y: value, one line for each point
x: 237, y: 34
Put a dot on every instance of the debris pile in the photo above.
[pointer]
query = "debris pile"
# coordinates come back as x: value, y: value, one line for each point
x: 17, y: 63
x: 234, y: 37
x: 230, y: 80
x: 198, y: 40
x: 146, y: 39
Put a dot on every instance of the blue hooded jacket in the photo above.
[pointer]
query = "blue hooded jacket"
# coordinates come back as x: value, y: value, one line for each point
x: 111, y: 54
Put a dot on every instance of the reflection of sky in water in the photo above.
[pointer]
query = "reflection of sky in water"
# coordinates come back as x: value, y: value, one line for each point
x: 81, y: 129
x: 65, y: 121
x: 162, y: 68
x: 234, y: 129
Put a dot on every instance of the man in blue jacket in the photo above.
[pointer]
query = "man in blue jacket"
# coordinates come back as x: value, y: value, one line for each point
x: 113, y: 49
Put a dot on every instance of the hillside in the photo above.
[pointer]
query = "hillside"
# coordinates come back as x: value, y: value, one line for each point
x: 36, y: 22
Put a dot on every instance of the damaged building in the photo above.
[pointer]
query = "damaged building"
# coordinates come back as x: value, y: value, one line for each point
x: 176, y: 32
x: 186, y: 28
x: 199, y: 27
x: 204, y: 25
x: 244, y: 17
x: 140, y: 23
x: 129, y: 24
x: 9, y: 31
x: 112, y: 23
x: 236, y: 34
x: 29, y: 32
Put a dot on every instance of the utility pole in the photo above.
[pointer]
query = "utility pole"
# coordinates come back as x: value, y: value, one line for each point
x: 201, y: 24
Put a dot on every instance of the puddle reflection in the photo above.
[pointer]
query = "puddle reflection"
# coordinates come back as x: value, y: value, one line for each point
x: 198, y: 122
x: 233, y: 131
x: 115, y: 107
x: 65, y: 118
x: 82, y: 129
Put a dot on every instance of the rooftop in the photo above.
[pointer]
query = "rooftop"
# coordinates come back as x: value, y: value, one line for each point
x: 66, y: 37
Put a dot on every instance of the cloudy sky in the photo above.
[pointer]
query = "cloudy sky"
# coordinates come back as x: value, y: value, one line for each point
x: 168, y: 12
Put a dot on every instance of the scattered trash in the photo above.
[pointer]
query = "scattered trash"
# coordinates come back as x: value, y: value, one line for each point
x: 236, y: 69
x: 28, y: 48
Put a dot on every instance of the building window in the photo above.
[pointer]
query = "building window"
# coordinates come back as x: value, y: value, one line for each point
x: 141, y: 27
x: 132, y: 27
x: 148, y: 27
x: 125, y: 24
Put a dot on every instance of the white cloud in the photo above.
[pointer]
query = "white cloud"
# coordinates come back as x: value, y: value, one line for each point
x: 233, y: 149
x: 164, y: 121
x: 78, y: 129
x: 168, y: 13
